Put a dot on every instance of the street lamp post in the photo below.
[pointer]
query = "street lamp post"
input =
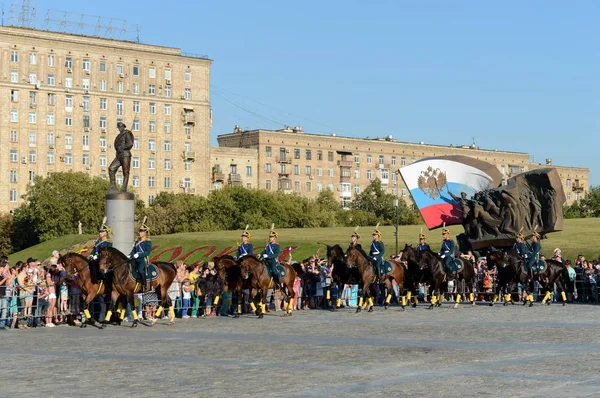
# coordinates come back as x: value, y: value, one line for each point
x: 396, y: 223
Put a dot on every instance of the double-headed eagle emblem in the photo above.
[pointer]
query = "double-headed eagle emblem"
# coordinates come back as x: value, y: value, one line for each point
x: 431, y: 181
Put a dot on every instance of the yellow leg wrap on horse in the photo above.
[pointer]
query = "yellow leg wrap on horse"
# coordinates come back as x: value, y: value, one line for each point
x: 122, y: 314
x: 388, y: 298
x: 171, y: 312
x: 339, y: 302
x: 120, y: 307
x: 239, y: 308
x: 328, y: 294
x: 458, y: 298
x: 433, y: 299
x: 416, y: 300
x: 134, y: 313
x: 136, y: 302
x: 507, y: 297
x: 495, y: 298
x: 108, y: 315
x: 217, y: 300
x: 262, y: 307
x: 403, y: 301
x: 547, y: 296
x: 439, y: 298
x: 408, y: 296
x: 137, y: 285
x: 530, y: 297
x: 471, y: 297
x: 87, y: 314
x: 564, y: 296
x: 252, y: 306
x: 290, y: 305
x: 360, y: 302
x: 158, y: 311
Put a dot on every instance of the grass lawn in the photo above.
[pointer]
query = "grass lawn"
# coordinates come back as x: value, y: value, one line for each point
x: 579, y: 237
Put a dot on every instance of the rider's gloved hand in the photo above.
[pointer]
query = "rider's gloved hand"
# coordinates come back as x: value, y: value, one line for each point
x: 136, y: 255
x: 265, y: 255
x: 443, y: 255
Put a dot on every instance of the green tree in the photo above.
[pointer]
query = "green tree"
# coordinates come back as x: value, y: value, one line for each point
x: 6, y: 231
x: 374, y: 200
x: 590, y: 204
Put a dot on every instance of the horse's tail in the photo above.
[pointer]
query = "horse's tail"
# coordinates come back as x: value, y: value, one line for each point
x: 565, y: 274
x: 163, y: 264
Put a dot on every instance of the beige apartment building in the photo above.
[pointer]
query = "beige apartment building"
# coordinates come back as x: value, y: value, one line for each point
x: 233, y: 167
x: 294, y: 161
x: 63, y: 94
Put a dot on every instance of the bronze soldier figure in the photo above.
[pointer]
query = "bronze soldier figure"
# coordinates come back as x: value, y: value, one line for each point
x: 123, y: 145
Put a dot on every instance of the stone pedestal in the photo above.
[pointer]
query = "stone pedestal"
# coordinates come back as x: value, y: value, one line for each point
x: 120, y: 218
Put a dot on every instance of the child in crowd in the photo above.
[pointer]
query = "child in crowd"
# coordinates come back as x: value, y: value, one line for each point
x: 187, y: 296
x: 51, y: 298
x: 64, y: 298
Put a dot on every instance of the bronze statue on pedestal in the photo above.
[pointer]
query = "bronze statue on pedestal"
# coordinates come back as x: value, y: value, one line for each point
x: 123, y: 145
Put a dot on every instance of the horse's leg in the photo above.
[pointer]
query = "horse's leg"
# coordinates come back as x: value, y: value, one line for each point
x: 86, y: 311
x: 363, y: 298
x: 114, y: 296
x: 561, y: 289
x: 434, y: 293
x: 473, y: 290
x: 389, y: 289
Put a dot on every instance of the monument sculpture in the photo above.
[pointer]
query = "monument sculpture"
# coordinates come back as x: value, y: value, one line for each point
x: 123, y: 145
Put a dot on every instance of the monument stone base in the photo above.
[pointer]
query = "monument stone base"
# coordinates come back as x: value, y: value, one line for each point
x: 120, y: 211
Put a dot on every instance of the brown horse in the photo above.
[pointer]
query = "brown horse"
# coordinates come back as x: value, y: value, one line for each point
x: 229, y: 272
x: 76, y: 264
x: 111, y: 259
x: 356, y: 257
x: 253, y: 269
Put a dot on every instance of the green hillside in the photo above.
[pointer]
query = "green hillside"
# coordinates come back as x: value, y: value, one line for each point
x: 579, y: 236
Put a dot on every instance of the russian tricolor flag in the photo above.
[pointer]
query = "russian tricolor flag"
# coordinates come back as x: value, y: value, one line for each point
x: 431, y: 180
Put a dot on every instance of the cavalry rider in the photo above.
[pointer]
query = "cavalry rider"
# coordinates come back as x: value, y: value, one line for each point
x: 534, y: 255
x: 103, y: 234
x: 377, y: 251
x: 270, y: 255
x: 353, y: 240
x: 447, y: 249
x: 423, y: 246
x: 140, y: 252
x: 245, y: 248
x: 521, y: 247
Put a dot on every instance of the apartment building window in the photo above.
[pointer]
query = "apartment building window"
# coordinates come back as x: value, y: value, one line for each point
x: 32, y: 117
x: 85, y: 84
x: 51, y: 61
x: 69, y: 62
x: 103, y: 85
x: 357, y: 159
x: 150, y: 199
x: 187, y: 147
x: 102, y: 142
x: 167, y: 146
x: 319, y: 155
x: 268, y: 184
x: 136, y: 143
x: 330, y: 186
x: 14, y: 95
x: 369, y: 174
x: 119, y: 87
x: 167, y: 164
x: 319, y: 186
x: 14, y: 56
x: 136, y: 88
x: 296, y: 186
x: 167, y: 182
x: 346, y: 172
x: 267, y: 167
x: 69, y: 103
x: 188, y: 76
x: 308, y: 186
x: 151, y: 182
x: 32, y: 77
x: 85, y: 141
x: 14, y: 76
x: 68, y: 141
x: 152, y: 73
x: 187, y: 93
x: 14, y: 155
x: 394, y: 177
x: 356, y: 173
x: 167, y: 91
x: 152, y: 126
x: 152, y: 145
x: 369, y: 159
x: 151, y: 89
x: 50, y: 120
x: 248, y: 171
x: 51, y: 79
x: 86, y: 121
x: 135, y: 162
x: 32, y: 157
x: 167, y: 109
x: 187, y: 165
x: 51, y: 98
x: 356, y: 188
x: 136, y: 70
x: 330, y: 156
x: 296, y: 170
x: 167, y: 73
x: 151, y: 163
x: 381, y: 159
x: 308, y: 154
x: 86, y: 103
x: 384, y: 174
x: 136, y: 106
x: 393, y: 160
x: 13, y: 176
x: 167, y: 127
x: 308, y: 170
x: 568, y: 183
x: 103, y: 104
x: 32, y: 59
x: 135, y: 181
x: 50, y: 157
x: 152, y: 108
x: 32, y: 138
x: 330, y: 172
x: 102, y: 66
x: 296, y: 153
x: 13, y: 195
x: 102, y: 122
x: 120, y: 107
x: 14, y: 136
x: 136, y: 125
x: 319, y: 172
x: 403, y: 161
x: 14, y: 115
x: 268, y: 151
x: 403, y: 192
x: 120, y: 69
x: 86, y: 65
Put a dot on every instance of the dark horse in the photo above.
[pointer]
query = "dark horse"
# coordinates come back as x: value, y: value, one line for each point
x: 124, y: 283
x: 341, y: 273
x: 512, y: 265
x: 359, y: 259
x: 414, y: 275
x: 509, y: 273
x: 253, y: 269
x: 433, y: 263
x: 91, y: 287
x: 228, y: 270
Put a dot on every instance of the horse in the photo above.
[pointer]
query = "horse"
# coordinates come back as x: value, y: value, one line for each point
x: 229, y: 271
x: 124, y: 283
x: 253, y: 269
x: 414, y: 275
x: 306, y: 277
x: 433, y: 264
x: 359, y: 259
x: 509, y: 273
x: 341, y: 273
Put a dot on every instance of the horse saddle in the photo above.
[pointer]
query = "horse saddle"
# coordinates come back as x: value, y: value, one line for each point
x: 455, y: 265
x: 539, y: 267
x: 151, y: 273
x: 387, y: 267
x: 279, y: 269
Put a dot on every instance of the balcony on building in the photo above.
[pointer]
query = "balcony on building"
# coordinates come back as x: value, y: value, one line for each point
x: 187, y: 155
x: 235, y: 179
x: 345, y: 178
x: 217, y: 174
x: 345, y: 163
x: 284, y: 183
x: 577, y: 187
x: 383, y: 165
x: 346, y: 194
x: 189, y: 190
x: 189, y: 117
x: 283, y: 159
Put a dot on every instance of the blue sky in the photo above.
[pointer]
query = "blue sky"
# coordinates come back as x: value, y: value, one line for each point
x: 511, y: 75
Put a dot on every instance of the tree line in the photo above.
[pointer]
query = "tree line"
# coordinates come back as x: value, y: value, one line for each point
x: 54, y: 206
